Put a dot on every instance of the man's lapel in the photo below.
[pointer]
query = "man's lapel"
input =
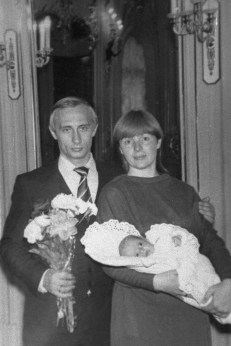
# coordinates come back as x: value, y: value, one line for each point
x: 55, y: 182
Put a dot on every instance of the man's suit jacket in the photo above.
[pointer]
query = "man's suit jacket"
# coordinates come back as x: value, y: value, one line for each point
x: 93, y: 288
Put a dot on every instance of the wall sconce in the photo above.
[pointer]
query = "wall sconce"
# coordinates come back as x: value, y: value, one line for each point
x: 92, y: 22
x: 42, y: 34
x: 116, y: 27
x: 2, y: 54
x: 202, y: 20
x: 9, y: 58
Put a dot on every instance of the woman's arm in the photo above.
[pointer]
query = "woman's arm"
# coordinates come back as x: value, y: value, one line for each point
x: 214, y: 248
x: 211, y: 244
x: 130, y: 277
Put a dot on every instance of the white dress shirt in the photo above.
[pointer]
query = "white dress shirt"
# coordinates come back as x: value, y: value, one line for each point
x: 72, y: 178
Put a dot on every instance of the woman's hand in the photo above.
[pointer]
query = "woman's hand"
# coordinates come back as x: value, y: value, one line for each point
x: 219, y: 297
x: 167, y: 282
x: 207, y: 209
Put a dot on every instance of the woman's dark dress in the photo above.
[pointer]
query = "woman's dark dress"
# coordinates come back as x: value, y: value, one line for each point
x: 141, y: 316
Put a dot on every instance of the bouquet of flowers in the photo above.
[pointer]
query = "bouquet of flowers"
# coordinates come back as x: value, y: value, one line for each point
x: 52, y: 230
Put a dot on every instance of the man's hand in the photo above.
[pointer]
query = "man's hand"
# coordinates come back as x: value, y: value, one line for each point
x: 207, y: 209
x: 167, y: 282
x: 59, y: 283
x: 220, y: 299
x: 51, y: 257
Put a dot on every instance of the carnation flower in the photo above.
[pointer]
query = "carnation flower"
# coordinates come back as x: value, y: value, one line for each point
x: 81, y: 205
x: 73, y: 205
x: 63, y: 201
x: 93, y: 208
x: 42, y: 220
x: 33, y: 232
x: 66, y: 233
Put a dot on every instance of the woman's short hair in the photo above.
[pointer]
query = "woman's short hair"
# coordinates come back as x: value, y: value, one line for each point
x: 135, y: 123
x: 71, y: 102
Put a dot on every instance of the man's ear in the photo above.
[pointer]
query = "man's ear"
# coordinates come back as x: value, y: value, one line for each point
x: 53, y: 133
x: 159, y: 143
x: 121, y: 151
x: 94, y: 131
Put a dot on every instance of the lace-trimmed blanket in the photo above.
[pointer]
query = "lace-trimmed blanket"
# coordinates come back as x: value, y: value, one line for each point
x: 195, y: 272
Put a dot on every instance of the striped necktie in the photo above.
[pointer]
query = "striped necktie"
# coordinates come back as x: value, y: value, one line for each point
x: 83, y: 188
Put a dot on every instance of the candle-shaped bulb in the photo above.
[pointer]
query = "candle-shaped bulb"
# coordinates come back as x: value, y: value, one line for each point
x: 35, y: 35
x: 41, y: 35
x: 174, y: 6
x: 47, y: 23
x: 110, y: 10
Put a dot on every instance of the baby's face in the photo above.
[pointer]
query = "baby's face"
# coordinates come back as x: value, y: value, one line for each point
x: 137, y: 247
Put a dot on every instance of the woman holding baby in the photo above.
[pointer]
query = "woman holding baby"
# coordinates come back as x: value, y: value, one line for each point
x: 145, y: 307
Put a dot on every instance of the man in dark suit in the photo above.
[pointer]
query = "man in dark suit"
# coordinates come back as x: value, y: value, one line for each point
x: 73, y: 123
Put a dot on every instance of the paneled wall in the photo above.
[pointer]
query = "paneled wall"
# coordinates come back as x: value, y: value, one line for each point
x: 206, y: 124
x: 19, y: 149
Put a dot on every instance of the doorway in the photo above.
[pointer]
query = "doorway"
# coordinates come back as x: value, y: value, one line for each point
x: 74, y: 71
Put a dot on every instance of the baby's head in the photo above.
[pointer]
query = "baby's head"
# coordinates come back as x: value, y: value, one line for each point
x: 134, y: 246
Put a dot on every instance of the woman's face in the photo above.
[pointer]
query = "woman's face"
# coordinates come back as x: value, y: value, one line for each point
x: 140, y: 153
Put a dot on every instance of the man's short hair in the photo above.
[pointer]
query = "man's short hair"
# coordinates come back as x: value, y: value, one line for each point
x: 71, y: 102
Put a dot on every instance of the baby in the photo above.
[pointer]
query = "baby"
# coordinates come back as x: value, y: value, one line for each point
x: 134, y: 246
x: 196, y: 273
x: 165, y: 247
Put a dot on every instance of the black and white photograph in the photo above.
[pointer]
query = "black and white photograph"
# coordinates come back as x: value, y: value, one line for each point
x: 115, y: 173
